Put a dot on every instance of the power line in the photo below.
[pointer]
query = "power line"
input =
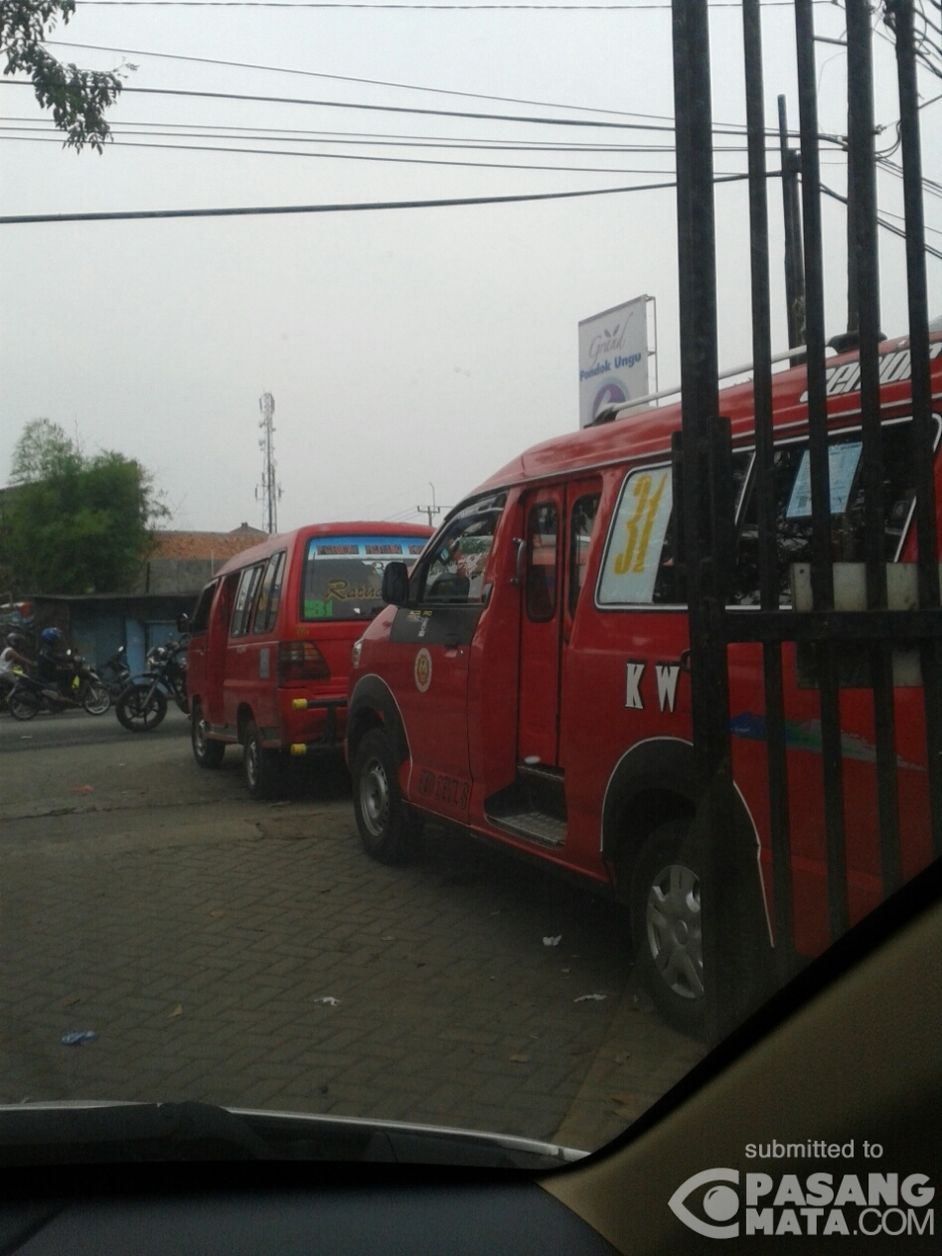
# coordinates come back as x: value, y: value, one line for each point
x: 407, y: 161
x: 349, y: 78
x: 411, y: 109
x: 368, y: 140
x: 733, y: 129
x: 340, y: 104
x: 882, y: 222
x: 380, y: 138
x: 350, y: 207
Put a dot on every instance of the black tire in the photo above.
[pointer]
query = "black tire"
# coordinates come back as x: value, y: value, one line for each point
x: 665, y: 924
x: 139, y: 713
x: 263, y: 769
x: 97, y: 699
x: 24, y: 703
x: 666, y: 928
x: 388, y: 829
x: 207, y: 753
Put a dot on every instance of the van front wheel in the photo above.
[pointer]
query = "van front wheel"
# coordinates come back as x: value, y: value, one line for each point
x: 388, y: 830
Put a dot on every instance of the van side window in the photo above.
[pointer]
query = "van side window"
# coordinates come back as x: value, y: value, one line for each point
x: 633, y: 551
x: 581, y: 525
x: 269, y: 595
x: 245, y: 597
x: 542, y: 532
x: 200, y: 620
x: 792, y: 485
x: 454, y: 570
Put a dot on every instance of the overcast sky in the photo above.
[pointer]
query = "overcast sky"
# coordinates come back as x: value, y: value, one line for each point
x: 403, y: 348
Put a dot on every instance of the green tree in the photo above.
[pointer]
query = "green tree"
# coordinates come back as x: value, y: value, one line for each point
x: 78, y: 98
x: 73, y: 523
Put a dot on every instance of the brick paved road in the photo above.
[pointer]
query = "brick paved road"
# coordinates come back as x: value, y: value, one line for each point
x: 198, y: 933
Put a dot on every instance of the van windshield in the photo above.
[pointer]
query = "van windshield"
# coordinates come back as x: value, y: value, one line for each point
x: 343, y: 575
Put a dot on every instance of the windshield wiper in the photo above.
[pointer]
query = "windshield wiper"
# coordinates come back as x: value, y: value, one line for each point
x: 180, y: 1132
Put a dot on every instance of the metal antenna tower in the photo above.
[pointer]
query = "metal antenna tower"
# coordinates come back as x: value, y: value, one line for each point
x: 269, y: 491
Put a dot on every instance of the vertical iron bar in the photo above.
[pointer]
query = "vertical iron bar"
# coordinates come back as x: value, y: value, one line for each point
x: 853, y: 141
x: 926, y: 521
x: 815, y: 335
x: 864, y: 267
x: 794, y: 258
x: 822, y: 582
x: 764, y: 490
x: 699, y: 413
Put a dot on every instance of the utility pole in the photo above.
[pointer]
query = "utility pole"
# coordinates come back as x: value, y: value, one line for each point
x: 430, y: 510
x: 794, y: 253
x: 269, y: 490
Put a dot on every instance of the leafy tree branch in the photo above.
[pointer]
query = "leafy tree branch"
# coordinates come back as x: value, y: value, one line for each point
x: 78, y: 99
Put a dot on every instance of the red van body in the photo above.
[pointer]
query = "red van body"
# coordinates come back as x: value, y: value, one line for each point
x: 269, y: 652
x: 530, y: 684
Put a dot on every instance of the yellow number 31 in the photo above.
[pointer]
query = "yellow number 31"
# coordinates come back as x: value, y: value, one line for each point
x: 647, y: 499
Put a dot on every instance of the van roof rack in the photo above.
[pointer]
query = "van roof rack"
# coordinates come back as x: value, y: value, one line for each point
x: 607, y: 413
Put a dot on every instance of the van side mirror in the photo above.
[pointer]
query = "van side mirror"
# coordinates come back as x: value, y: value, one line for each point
x: 183, y: 622
x: 395, y: 587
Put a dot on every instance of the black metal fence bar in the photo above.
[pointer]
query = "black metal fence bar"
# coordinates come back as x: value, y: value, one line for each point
x: 776, y: 754
x: 821, y: 571
x: 705, y: 496
x: 865, y: 267
x: 901, y: 12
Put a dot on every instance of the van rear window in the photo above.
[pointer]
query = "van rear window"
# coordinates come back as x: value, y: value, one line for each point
x: 343, y: 575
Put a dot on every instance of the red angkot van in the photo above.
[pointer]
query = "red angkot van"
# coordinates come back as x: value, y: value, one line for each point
x: 528, y: 679
x: 269, y: 653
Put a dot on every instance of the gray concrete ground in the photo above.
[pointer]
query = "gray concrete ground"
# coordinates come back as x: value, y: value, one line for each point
x: 251, y: 954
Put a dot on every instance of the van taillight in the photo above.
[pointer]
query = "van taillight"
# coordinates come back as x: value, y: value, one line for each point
x: 300, y: 661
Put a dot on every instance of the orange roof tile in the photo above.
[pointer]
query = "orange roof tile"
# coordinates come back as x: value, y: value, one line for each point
x: 218, y: 546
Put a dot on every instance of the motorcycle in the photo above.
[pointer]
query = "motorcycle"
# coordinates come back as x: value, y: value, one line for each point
x: 115, y: 674
x: 79, y: 688
x: 7, y: 685
x: 143, y: 702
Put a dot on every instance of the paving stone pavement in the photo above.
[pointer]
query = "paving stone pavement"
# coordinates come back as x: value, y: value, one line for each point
x: 253, y: 955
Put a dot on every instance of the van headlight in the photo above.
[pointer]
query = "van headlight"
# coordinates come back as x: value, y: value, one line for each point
x: 355, y: 654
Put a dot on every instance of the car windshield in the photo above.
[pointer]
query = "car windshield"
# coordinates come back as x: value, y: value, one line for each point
x: 448, y: 858
x: 343, y: 575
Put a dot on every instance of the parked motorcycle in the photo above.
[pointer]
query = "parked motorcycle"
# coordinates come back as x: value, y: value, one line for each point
x: 80, y: 688
x: 143, y: 703
x: 116, y: 674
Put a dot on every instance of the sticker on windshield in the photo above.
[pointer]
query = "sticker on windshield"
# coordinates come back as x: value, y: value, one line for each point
x: 637, y: 538
x: 842, y: 467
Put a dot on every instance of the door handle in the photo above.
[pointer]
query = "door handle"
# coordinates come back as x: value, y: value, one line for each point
x: 519, y: 560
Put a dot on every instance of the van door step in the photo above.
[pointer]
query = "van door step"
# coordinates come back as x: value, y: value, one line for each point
x: 536, y: 826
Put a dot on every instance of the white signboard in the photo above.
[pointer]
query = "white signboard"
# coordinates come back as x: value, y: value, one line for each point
x: 613, y: 358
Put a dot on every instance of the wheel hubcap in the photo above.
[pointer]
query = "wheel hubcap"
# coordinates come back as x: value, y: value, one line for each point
x: 374, y: 798
x: 674, y: 929
x: 251, y: 763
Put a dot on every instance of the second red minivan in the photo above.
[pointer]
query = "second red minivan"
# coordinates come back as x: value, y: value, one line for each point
x: 269, y: 653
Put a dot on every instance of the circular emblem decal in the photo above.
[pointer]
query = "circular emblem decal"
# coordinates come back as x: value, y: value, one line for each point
x: 423, y: 670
